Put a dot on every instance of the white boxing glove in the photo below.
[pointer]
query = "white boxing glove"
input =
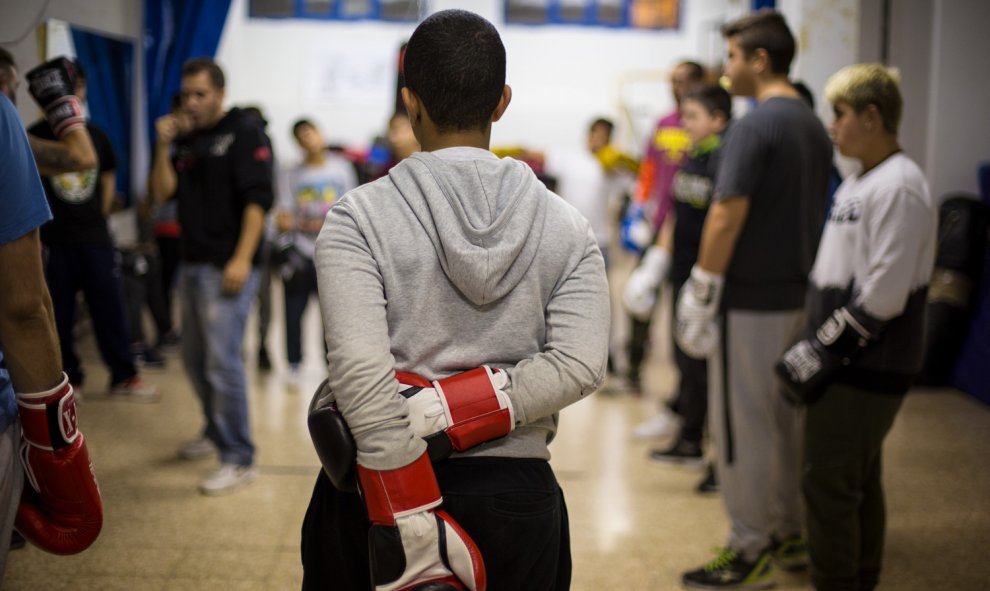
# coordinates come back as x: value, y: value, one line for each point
x: 695, y: 329
x: 640, y: 293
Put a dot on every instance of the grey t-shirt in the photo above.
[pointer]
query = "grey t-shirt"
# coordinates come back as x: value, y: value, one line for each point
x: 779, y: 156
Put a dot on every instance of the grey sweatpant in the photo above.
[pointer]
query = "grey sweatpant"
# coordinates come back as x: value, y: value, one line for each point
x: 756, y: 431
x: 11, y: 481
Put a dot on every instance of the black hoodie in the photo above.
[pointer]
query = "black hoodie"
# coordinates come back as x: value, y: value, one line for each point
x: 220, y: 171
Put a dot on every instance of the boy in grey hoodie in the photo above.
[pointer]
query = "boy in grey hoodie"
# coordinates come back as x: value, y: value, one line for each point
x: 461, y: 268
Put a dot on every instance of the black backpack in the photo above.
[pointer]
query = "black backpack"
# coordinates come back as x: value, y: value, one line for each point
x: 962, y: 246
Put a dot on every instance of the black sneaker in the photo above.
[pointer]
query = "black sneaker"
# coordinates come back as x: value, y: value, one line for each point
x: 790, y: 554
x: 709, y: 484
x: 169, y: 341
x: 152, y: 359
x: 730, y: 571
x: 682, y: 452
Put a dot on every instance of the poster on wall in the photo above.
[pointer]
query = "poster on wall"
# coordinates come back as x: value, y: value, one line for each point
x: 634, y: 14
x: 349, y: 75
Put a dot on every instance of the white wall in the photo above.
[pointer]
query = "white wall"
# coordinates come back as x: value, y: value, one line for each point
x: 958, y: 119
x: 910, y: 51
x: 19, y: 21
x: 940, y: 48
x: 562, y: 77
x: 827, y: 33
x: 19, y: 18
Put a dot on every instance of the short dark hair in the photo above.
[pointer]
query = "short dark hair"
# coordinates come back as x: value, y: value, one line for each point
x: 696, y: 71
x: 765, y: 29
x: 300, y: 124
x: 204, y: 64
x: 455, y: 63
x: 602, y: 122
x: 713, y: 98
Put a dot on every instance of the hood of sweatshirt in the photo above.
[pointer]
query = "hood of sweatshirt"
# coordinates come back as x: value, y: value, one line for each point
x: 485, y: 216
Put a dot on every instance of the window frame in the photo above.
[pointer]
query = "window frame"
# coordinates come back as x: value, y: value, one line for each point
x: 336, y: 13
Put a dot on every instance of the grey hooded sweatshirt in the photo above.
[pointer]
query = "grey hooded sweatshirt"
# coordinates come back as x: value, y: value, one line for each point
x: 458, y: 259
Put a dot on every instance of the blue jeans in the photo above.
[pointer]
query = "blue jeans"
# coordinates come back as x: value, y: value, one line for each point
x: 212, y: 340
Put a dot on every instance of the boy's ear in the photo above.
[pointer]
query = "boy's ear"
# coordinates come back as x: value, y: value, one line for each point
x: 760, y: 59
x: 872, y: 117
x: 503, y: 103
x: 413, y: 105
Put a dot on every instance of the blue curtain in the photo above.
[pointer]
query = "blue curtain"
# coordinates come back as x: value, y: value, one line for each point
x: 174, y: 31
x: 109, y: 67
x: 972, y: 373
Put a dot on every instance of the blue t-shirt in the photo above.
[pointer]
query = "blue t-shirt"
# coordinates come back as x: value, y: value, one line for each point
x: 23, y: 208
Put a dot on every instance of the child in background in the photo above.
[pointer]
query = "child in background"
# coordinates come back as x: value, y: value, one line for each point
x: 706, y: 112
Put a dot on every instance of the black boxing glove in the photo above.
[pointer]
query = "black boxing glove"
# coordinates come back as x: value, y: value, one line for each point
x: 53, y: 86
x: 808, y: 366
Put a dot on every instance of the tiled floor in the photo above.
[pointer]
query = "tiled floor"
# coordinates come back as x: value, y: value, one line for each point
x: 634, y: 525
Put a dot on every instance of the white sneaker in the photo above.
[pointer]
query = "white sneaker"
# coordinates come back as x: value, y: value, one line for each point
x: 294, y: 377
x: 196, y: 449
x: 227, y: 478
x: 664, y: 424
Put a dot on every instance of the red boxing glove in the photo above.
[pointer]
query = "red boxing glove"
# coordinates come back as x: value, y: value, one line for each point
x: 413, y: 545
x: 61, y: 511
x: 459, y: 412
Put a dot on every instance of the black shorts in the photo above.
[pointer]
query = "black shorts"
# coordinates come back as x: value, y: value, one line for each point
x: 513, y: 509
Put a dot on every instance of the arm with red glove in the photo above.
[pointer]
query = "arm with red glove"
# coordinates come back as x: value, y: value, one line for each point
x: 452, y: 414
x: 459, y: 412
x: 414, y: 545
x: 61, y: 510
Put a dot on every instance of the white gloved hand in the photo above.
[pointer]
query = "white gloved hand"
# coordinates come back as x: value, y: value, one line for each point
x: 640, y: 293
x: 695, y: 329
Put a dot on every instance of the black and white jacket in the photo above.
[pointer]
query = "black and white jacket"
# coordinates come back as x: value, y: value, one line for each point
x: 876, y: 254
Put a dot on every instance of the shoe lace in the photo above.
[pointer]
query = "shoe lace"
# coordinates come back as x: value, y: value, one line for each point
x: 724, y: 558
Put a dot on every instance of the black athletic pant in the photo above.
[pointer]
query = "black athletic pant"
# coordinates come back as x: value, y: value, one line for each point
x: 168, y: 252
x: 513, y: 509
x: 297, y: 294
x: 692, y: 390
x: 96, y: 271
x: 842, y: 482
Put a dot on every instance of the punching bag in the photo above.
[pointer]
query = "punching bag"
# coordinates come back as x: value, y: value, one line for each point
x: 962, y: 244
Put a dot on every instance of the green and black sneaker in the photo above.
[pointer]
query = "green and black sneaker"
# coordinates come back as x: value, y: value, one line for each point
x: 790, y: 554
x: 730, y: 571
